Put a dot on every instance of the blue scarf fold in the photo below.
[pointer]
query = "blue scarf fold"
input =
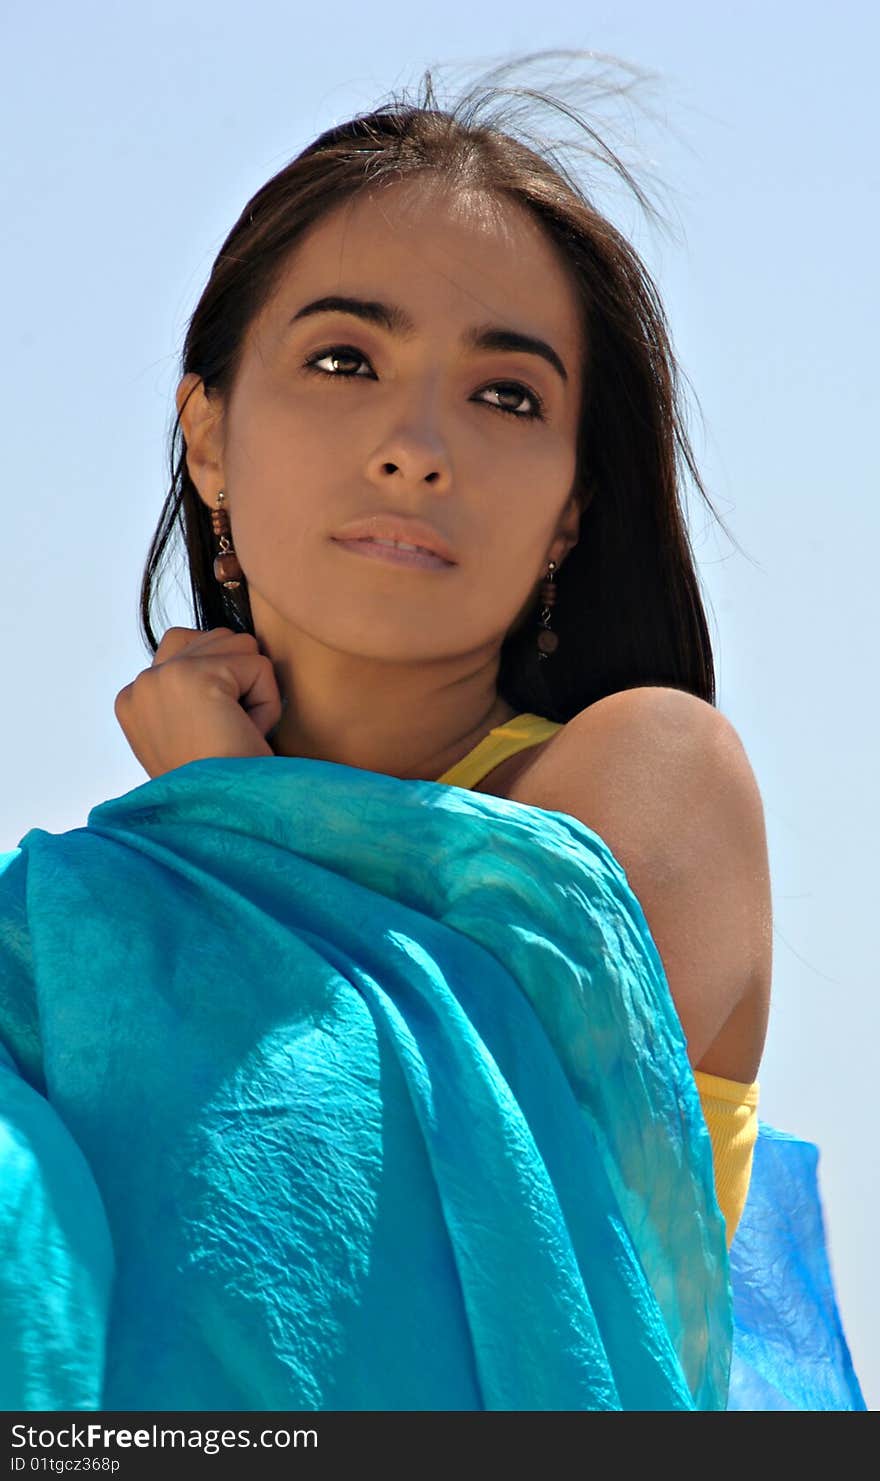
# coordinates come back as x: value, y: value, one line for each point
x: 328, y: 1090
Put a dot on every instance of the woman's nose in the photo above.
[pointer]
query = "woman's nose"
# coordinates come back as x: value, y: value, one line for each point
x: 414, y: 445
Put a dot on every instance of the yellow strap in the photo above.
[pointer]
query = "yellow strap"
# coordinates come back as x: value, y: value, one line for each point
x: 505, y: 740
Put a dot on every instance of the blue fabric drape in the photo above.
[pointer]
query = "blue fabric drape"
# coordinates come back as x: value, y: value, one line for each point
x: 789, y: 1350
x: 327, y: 1090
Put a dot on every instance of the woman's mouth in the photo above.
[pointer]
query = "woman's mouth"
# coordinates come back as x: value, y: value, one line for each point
x: 396, y: 555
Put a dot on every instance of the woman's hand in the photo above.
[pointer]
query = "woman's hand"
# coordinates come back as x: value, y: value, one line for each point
x: 205, y: 694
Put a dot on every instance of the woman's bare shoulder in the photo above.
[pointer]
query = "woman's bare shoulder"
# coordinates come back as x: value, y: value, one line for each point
x: 663, y: 778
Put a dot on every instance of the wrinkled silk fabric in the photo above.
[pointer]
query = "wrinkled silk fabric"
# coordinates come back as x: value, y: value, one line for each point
x: 790, y: 1350
x: 320, y: 1089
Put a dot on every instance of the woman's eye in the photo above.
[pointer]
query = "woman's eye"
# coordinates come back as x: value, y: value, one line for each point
x: 336, y: 352
x: 341, y: 353
x: 513, y: 388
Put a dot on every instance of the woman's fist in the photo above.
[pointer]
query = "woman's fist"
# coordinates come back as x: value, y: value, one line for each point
x: 206, y: 694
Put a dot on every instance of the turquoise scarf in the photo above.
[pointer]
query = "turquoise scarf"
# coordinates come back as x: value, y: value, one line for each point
x: 327, y: 1090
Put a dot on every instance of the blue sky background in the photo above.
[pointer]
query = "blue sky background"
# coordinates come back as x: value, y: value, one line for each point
x: 132, y: 139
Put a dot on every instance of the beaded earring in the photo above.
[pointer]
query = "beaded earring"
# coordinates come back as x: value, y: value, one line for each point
x: 548, y: 641
x: 226, y: 567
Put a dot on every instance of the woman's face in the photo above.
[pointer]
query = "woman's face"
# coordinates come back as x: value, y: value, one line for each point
x: 335, y: 416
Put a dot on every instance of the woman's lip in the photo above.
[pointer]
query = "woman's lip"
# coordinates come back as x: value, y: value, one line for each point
x: 416, y: 559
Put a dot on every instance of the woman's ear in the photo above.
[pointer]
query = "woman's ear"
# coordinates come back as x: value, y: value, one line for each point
x: 567, y: 530
x: 202, y: 424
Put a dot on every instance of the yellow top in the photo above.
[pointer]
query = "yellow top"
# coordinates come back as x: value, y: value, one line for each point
x: 729, y: 1107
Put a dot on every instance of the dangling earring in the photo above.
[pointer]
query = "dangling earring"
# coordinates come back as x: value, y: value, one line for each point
x: 548, y: 641
x: 226, y: 567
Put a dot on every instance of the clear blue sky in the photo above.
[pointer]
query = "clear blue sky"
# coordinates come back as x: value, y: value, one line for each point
x: 133, y: 137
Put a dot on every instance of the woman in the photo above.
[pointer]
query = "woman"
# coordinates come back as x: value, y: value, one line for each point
x: 395, y: 1046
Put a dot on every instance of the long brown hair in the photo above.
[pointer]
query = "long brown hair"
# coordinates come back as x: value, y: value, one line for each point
x: 629, y: 610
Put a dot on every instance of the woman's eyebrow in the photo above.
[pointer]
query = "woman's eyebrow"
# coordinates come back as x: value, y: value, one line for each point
x: 397, y: 321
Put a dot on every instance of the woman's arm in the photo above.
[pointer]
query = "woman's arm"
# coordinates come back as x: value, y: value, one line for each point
x: 663, y: 778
